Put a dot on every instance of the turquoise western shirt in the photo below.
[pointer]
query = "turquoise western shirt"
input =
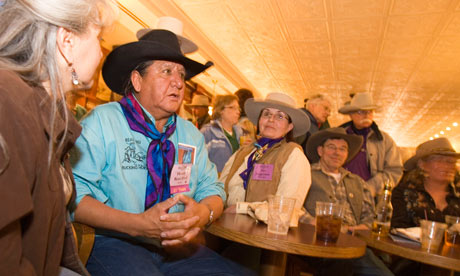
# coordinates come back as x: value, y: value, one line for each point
x: 109, y: 161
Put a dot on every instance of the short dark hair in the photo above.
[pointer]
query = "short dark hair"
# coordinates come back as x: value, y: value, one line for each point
x: 141, y: 68
x: 243, y: 95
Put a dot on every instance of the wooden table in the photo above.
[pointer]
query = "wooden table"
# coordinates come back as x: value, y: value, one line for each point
x: 301, y: 241
x: 447, y: 257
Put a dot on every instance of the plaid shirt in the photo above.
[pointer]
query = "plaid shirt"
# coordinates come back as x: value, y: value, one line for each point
x: 340, y: 195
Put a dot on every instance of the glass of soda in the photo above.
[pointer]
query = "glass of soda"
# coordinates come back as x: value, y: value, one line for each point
x: 328, y: 221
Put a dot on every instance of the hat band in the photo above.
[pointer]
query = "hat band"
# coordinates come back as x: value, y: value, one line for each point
x: 435, y: 150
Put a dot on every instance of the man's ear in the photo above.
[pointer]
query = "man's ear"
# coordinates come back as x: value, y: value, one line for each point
x: 65, y: 41
x: 319, y: 150
x: 136, y: 80
x: 290, y: 127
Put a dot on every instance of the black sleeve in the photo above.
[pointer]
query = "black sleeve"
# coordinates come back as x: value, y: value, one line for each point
x: 400, y: 218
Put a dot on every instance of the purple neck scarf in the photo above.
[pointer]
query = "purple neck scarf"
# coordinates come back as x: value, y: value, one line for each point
x: 262, y: 145
x: 160, y: 153
x: 359, y: 165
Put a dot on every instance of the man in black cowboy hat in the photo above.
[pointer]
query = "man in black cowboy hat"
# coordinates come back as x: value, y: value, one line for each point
x: 329, y: 149
x: 379, y: 158
x: 142, y: 173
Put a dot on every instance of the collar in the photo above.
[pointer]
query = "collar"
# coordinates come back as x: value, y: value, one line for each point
x: 73, y: 127
x: 317, y: 167
x: 374, y: 129
x: 151, y: 118
x: 312, y: 118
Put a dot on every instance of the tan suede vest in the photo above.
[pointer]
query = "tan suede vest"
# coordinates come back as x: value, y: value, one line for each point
x: 258, y: 190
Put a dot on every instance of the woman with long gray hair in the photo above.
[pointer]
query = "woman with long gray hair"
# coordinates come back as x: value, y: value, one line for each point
x: 47, y: 47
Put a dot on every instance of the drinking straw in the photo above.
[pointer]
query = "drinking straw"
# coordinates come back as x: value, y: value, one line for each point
x: 426, y: 216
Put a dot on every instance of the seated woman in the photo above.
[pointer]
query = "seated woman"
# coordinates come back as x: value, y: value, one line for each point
x: 223, y: 133
x: 427, y: 191
x: 274, y: 164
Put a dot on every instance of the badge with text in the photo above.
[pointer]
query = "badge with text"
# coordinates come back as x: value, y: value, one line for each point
x: 180, y: 178
x: 262, y: 172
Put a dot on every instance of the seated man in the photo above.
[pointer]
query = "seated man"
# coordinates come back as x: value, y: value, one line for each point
x: 143, y: 177
x: 330, y: 182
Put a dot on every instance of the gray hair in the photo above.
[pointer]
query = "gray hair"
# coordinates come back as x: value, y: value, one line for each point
x: 4, y: 155
x: 28, y: 39
x: 316, y: 99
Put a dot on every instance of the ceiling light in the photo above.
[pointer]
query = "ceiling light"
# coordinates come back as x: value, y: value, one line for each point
x: 431, y: 138
x: 447, y: 128
x: 436, y: 135
x: 441, y: 132
x: 455, y: 124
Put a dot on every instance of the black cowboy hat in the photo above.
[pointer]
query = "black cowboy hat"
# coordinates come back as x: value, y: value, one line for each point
x: 155, y: 45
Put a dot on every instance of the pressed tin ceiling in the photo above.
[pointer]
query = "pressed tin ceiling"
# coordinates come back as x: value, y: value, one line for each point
x: 405, y: 52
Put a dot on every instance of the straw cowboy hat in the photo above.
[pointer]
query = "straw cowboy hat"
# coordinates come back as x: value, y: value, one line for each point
x: 317, y: 139
x: 154, y: 45
x: 282, y: 102
x: 173, y: 25
x: 199, y: 100
x: 439, y: 146
x: 360, y: 101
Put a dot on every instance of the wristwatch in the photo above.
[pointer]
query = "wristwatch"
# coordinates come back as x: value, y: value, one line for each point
x: 211, y: 216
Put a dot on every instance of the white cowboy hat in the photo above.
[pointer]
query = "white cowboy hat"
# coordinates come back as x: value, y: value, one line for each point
x: 360, y: 101
x: 173, y: 25
x: 199, y: 100
x: 440, y: 146
x: 317, y: 139
x: 282, y: 102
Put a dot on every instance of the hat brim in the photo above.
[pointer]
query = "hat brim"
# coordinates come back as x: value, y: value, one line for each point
x: 123, y: 60
x: 317, y: 139
x: 411, y: 163
x: 347, y: 109
x: 299, y: 119
x: 186, y: 45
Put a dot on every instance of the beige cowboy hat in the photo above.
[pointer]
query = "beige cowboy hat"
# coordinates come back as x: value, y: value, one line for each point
x: 173, y: 25
x: 317, y: 139
x: 199, y: 100
x: 280, y: 101
x: 439, y: 146
x: 360, y: 101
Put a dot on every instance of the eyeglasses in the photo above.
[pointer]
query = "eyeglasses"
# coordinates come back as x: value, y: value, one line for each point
x: 278, y: 116
x: 365, y: 112
x: 233, y: 107
x: 334, y: 148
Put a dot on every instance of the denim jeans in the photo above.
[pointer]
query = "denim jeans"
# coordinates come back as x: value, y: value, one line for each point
x: 112, y: 256
x: 367, y: 265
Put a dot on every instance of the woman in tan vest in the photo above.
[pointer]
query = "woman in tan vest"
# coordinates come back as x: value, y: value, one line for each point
x: 273, y: 165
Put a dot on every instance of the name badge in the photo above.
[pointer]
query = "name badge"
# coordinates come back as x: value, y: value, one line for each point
x: 180, y: 178
x: 262, y: 172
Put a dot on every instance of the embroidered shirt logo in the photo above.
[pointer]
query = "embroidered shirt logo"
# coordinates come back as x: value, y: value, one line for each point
x: 133, y: 158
